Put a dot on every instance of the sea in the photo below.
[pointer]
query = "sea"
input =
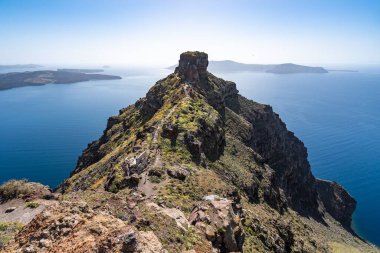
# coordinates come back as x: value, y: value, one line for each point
x: 44, y: 129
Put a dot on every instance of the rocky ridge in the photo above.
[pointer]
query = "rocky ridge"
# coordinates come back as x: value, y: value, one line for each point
x: 195, y: 167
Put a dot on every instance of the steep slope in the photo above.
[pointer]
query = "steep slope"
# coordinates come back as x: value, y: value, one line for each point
x: 205, y: 170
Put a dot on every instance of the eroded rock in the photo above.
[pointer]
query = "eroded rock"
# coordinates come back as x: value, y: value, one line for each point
x: 216, y: 217
x: 192, y: 66
x: 177, y: 215
x: 178, y: 173
x: 337, y: 201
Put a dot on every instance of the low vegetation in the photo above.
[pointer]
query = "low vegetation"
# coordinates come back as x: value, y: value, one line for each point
x: 32, y: 205
x: 14, y: 189
x: 185, y: 194
x: 7, y: 231
x: 173, y: 238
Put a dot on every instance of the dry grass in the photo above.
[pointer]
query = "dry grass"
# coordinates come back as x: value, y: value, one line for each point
x: 7, y: 231
x: 340, y: 248
x: 14, y: 189
x: 185, y: 194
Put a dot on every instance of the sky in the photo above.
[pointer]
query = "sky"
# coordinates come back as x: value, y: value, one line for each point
x: 155, y: 32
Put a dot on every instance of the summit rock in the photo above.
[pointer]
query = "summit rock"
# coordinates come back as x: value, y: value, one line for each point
x: 192, y: 66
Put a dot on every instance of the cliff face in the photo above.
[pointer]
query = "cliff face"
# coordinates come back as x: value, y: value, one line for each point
x: 207, y: 170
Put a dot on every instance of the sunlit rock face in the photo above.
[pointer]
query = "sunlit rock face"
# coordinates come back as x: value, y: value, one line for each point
x: 192, y: 66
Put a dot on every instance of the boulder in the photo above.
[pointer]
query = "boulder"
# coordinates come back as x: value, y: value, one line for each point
x: 133, y: 180
x: 177, y: 215
x: 155, y: 172
x: 140, y: 241
x: 130, y: 242
x: 45, y: 243
x: 178, y: 173
x: 216, y: 217
x: 149, y: 243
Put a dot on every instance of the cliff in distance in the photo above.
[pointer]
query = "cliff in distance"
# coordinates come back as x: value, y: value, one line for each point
x: 193, y: 167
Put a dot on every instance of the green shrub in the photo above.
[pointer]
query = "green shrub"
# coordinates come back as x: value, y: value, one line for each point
x: 3, y: 226
x: 155, y: 179
x: 32, y: 205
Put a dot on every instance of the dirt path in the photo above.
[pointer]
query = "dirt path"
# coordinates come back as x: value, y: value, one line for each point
x: 145, y: 185
x: 186, y: 89
x: 159, y: 126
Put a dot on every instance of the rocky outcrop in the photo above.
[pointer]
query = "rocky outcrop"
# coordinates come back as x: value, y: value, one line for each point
x: 178, y: 172
x: 337, y: 201
x: 207, y: 141
x: 74, y: 227
x: 171, y: 132
x: 192, y: 66
x: 25, y: 190
x: 145, y: 242
x: 217, y: 218
x: 177, y: 215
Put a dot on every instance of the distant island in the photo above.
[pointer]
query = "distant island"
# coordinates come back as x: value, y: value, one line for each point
x: 343, y: 70
x: 20, y: 66
x: 36, y: 78
x: 286, y: 68
x: 82, y: 70
x: 289, y: 68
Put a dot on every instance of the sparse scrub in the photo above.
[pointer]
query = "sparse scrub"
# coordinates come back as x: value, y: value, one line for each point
x: 7, y: 231
x: 32, y: 205
x: 14, y: 189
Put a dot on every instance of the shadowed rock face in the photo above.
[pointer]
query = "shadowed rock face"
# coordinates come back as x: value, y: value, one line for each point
x: 337, y: 201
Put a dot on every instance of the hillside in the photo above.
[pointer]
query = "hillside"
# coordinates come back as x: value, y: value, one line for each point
x: 192, y: 167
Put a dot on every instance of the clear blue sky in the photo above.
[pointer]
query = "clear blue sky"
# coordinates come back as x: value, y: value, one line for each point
x: 155, y: 32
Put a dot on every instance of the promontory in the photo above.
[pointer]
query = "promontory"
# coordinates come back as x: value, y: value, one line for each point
x: 193, y: 167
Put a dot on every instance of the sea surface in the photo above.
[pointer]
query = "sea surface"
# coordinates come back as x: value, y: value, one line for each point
x: 337, y: 115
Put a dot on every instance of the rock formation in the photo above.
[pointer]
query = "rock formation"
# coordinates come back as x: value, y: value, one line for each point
x: 219, y: 221
x: 195, y: 167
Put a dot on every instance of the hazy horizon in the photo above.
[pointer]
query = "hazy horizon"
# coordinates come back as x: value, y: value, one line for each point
x: 95, y: 32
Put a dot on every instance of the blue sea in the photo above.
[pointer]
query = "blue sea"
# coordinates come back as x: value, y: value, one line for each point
x: 337, y: 115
